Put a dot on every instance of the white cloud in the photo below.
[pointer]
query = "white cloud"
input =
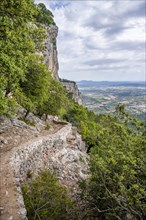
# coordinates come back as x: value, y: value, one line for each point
x: 108, y: 34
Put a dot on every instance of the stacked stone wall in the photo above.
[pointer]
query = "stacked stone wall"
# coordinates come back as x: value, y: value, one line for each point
x: 60, y: 152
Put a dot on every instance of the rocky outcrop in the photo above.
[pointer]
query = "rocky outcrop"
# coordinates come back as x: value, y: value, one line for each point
x: 50, y: 53
x: 73, y: 90
x: 26, y: 150
x: 51, y: 59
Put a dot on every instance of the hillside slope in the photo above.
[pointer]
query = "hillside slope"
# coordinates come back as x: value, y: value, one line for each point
x: 26, y: 149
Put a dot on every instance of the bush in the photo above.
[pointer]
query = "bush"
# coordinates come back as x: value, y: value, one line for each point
x: 116, y: 188
x: 44, y: 15
x: 45, y: 198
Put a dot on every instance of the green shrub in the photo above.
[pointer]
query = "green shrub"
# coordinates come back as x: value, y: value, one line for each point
x: 44, y: 15
x: 116, y: 188
x: 46, y: 199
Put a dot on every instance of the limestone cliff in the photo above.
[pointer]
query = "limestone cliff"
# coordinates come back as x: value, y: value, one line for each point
x: 72, y: 88
x: 51, y: 59
x: 50, y: 52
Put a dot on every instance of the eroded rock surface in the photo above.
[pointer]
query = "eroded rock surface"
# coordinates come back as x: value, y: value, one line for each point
x: 50, y: 53
x: 73, y: 90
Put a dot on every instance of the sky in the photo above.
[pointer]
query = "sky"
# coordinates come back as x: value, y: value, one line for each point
x: 100, y: 40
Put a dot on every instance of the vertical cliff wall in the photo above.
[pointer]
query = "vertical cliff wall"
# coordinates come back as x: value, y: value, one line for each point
x: 51, y: 59
x: 50, y: 52
x: 73, y: 90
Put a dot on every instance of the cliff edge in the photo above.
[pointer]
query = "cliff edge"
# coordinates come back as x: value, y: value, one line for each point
x: 50, y: 52
x: 73, y: 90
x: 51, y: 59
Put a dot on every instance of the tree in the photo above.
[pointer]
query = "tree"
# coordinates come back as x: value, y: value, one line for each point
x: 44, y: 15
x: 7, y: 105
x: 16, y: 45
x: 57, y: 99
x: 36, y: 85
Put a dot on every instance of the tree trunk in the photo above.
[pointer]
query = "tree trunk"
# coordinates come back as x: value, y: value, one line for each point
x: 26, y: 114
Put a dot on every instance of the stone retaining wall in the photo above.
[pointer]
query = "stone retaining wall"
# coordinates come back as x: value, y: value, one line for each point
x: 33, y: 156
x: 61, y: 151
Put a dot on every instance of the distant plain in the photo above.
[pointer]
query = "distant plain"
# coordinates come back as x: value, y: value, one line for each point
x: 102, y: 97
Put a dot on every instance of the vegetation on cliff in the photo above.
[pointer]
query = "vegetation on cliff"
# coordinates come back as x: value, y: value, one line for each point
x: 16, y: 46
x: 117, y: 147
x: 116, y: 144
x: 24, y: 78
x: 44, y: 15
x: 45, y: 199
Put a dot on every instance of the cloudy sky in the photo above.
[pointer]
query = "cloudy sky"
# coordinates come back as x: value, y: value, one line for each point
x: 101, y: 39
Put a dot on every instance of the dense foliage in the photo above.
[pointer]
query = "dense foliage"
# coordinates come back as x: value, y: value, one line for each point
x: 44, y: 15
x: 15, y: 45
x: 45, y: 199
x: 56, y: 100
x: 117, y: 146
x: 25, y: 79
x: 36, y: 85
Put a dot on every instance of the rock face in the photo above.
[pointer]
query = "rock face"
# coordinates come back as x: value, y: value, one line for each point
x: 50, y: 53
x: 51, y: 59
x: 73, y: 90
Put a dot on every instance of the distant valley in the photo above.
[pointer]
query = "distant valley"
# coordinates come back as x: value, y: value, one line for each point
x: 102, y: 97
